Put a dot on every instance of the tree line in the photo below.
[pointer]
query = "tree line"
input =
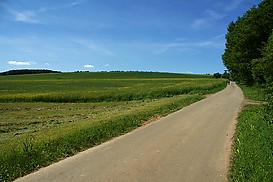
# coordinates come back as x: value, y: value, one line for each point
x: 249, y: 46
x: 27, y: 71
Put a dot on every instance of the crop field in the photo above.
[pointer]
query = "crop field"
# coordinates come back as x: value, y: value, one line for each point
x: 97, y: 87
x: 46, y: 117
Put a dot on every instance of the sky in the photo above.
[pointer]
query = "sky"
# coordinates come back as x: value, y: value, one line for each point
x: 182, y: 36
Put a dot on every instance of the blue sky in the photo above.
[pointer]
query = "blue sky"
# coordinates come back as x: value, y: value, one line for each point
x: 102, y: 35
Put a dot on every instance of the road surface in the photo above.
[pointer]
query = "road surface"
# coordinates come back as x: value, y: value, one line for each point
x: 192, y: 144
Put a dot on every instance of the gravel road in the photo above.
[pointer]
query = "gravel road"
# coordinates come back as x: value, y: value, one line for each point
x: 193, y: 144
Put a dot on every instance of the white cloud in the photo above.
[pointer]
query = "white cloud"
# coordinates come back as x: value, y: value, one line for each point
x: 107, y: 65
x: 19, y: 63
x: 89, y: 66
x: 47, y: 64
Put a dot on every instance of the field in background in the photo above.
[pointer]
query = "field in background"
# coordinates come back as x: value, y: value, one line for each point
x: 100, y: 87
x: 46, y: 117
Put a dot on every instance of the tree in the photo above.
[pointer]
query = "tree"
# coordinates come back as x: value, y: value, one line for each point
x: 28, y: 71
x: 245, y: 40
x: 217, y: 75
x: 262, y: 68
x: 226, y: 75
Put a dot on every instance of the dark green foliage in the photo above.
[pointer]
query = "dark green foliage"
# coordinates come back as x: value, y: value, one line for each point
x: 269, y: 106
x: 262, y: 68
x: 245, y: 41
x: 226, y: 75
x: 217, y: 75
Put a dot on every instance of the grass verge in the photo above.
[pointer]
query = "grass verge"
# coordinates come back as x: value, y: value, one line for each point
x: 252, y: 154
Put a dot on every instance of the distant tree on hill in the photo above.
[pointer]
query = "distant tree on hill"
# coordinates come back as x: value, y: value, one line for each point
x: 28, y: 71
x: 217, y: 75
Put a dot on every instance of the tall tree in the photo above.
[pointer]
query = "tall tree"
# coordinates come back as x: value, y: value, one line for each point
x: 262, y: 68
x: 245, y: 40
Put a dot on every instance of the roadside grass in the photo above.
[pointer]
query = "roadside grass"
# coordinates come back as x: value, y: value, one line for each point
x: 45, y: 118
x: 253, y: 149
x: 253, y: 93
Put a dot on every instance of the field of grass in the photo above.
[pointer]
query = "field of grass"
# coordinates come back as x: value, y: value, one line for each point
x: 252, y: 154
x: 46, y: 117
x: 99, y: 87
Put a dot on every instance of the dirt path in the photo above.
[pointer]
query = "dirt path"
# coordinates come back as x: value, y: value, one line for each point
x: 192, y: 144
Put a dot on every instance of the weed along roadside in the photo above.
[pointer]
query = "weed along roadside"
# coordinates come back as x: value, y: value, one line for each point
x: 252, y: 158
x: 45, y: 118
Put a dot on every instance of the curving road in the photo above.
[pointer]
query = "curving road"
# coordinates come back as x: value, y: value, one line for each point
x: 192, y: 144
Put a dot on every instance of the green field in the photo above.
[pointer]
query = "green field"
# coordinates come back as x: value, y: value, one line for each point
x: 99, y: 87
x: 46, y: 117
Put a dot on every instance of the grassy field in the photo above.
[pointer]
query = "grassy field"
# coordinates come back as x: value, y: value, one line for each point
x: 99, y: 87
x: 252, y: 154
x: 46, y: 117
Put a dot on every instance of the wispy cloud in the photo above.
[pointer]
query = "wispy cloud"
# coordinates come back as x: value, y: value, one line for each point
x: 210, y: 17
x: 25, y: 16
x: 161, y: 48
x: 221, y: 36
x: 31, y: 16
x: 44, y: 9
x: 233, y: 5
x: 93, y: 47
x: 20, y: 63
x: 214, y: 15
x: 199, y: 24
x: 192, y: 45
x: 74, y: 3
